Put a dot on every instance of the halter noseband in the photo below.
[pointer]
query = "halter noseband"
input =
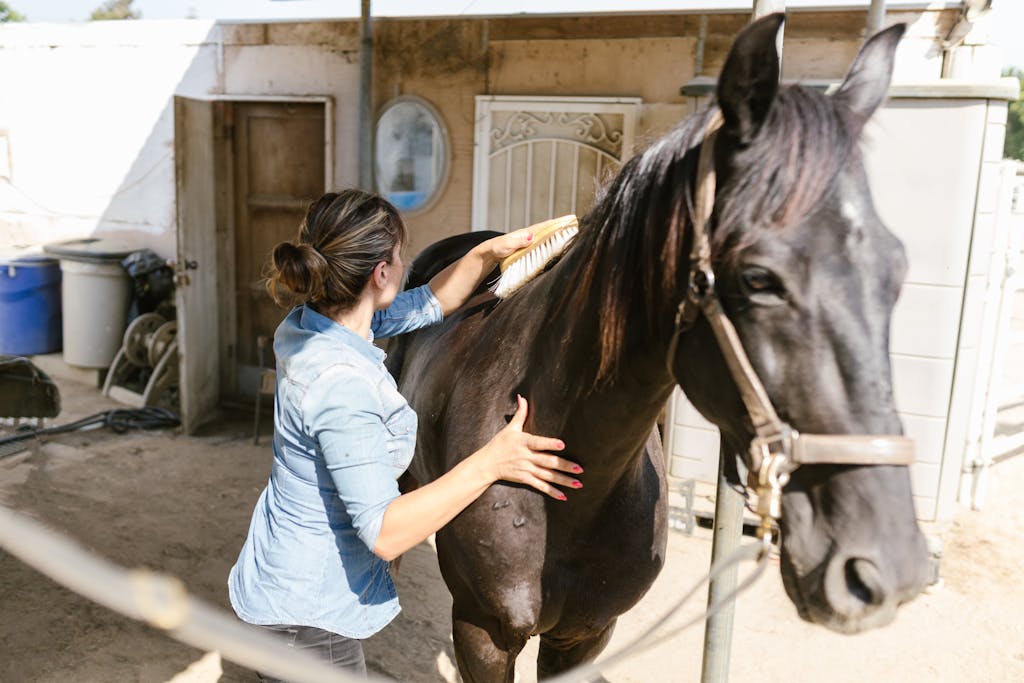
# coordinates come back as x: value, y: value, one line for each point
x: 776, y: 449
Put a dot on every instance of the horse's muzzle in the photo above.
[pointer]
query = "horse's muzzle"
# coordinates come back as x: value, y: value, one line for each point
x: 850, y: 592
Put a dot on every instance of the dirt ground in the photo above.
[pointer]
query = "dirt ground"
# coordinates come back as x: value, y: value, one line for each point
x: 181, y: 505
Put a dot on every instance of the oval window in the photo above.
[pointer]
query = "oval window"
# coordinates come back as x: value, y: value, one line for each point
x: 411, y: 153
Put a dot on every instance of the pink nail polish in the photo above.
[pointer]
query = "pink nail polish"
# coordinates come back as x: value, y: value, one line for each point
x: 561, y: 445
x: 561, y: 496
x: 577, y: 485
x: 577, y: 469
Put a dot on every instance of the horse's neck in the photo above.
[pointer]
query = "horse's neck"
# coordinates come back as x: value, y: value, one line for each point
x: 618, y: 414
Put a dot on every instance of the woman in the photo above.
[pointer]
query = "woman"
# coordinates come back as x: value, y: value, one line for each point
x: 315, y: 562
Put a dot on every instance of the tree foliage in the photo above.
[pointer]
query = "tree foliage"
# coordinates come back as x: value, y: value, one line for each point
x: 7, y: 13
x: 114, y: 9
x: 1013, y: 148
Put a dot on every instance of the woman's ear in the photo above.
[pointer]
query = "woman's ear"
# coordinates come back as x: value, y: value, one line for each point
x: 380, y: 275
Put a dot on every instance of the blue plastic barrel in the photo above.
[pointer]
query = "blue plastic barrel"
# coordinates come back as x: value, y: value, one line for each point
x: 30, y: 321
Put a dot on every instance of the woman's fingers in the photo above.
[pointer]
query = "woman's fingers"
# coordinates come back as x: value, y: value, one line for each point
x: 543, y: 443
x: 519, y: 419
x: 557, y: 478
x: 518, y: 239
x: 509, y: 243
x: 545, y: 487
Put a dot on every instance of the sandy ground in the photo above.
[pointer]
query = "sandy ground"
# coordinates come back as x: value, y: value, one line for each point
x: 182, y: 505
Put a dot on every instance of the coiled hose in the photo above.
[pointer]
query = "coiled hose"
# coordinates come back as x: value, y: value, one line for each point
x: 118, y: 420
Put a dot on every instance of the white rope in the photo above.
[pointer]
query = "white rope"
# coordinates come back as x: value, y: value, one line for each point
x: 646, y: 640
x: 161, y: 601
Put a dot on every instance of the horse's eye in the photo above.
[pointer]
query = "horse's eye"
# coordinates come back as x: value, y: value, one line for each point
x: 759, y: 281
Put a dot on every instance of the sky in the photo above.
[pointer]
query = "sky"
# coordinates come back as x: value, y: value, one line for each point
x: 1006, y: 31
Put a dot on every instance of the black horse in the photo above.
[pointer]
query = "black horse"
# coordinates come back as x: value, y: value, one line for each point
x: 807, y: 274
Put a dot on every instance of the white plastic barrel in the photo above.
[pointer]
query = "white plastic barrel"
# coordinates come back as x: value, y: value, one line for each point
x: 95, y: 309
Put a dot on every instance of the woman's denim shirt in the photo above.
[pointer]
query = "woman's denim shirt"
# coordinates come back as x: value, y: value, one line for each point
x: 342, y: 436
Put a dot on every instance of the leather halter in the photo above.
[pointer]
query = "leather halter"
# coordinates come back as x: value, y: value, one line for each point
x: 777, y: 449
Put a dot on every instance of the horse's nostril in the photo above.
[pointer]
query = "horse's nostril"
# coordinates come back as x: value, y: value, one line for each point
x: 863, y: 581
x: 853, y: 586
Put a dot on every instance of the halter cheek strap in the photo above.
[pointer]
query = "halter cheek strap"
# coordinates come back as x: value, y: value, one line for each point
x: 777, y: 449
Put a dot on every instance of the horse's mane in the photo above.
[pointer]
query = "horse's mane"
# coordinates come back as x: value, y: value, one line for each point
x: 633, y: 244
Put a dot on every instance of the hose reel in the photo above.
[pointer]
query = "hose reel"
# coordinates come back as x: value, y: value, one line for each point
x: 146, y: 366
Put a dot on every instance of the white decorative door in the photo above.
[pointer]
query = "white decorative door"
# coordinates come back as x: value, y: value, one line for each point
x: 541, y: 157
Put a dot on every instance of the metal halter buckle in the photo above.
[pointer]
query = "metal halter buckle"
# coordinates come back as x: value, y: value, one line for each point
x: 701, y: 285
x: 771, y: 454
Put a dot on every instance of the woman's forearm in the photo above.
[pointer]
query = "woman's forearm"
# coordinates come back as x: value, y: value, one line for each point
x: 412, y: 517
x: 454, y: 285
x: 511, y: 455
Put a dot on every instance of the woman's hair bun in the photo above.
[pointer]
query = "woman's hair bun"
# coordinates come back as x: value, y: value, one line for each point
x: 300, y: 269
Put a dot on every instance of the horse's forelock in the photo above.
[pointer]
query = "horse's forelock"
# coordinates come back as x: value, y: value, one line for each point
x: 785, y: 172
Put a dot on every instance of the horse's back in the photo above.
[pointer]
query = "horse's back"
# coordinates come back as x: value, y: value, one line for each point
x: 428, y: 263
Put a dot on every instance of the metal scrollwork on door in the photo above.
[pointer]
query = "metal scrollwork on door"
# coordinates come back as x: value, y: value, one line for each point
x: 540, y: 157
x: 591, y: 129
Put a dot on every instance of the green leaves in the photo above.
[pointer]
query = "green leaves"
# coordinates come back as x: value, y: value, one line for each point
x: 9, y: 14
x: 1013, y: 148
x: 114, y: 9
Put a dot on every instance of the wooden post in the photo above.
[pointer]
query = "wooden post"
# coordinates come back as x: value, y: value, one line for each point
x: 365, y: 100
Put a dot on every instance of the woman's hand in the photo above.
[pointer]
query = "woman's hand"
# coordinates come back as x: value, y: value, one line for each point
x: 515, y: 455
x: 456, y: 283
x: 512, y: 455
x: 498, y: 248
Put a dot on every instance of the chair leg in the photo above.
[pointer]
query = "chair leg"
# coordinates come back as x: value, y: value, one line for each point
x: 256, y: 418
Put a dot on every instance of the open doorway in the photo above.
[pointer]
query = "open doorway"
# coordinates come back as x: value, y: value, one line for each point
x: 245, y: 169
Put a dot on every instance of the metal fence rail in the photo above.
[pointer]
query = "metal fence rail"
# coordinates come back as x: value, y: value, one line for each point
x: 1001, y: 341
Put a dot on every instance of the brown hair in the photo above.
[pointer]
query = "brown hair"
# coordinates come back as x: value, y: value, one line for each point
x: 342, y: 238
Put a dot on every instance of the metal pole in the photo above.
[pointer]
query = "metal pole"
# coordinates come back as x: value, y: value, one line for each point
x: 365, y: 100
x: 728, y: 518
x: 764, y: 7
x: 727, y: 535
x: 876, y: 17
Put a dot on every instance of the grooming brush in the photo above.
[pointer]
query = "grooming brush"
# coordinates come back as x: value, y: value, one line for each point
x: 550, y: 239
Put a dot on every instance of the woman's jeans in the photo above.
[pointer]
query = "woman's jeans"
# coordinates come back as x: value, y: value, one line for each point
x: 344, y: 653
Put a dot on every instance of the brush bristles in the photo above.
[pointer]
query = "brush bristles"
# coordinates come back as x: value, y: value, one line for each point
x: 533, y: 262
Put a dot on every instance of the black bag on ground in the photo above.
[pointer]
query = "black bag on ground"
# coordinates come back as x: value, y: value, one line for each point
x: 25, y: 390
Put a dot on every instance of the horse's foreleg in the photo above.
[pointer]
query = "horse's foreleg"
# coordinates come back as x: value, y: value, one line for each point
x: 561, y: 654
x: 483, y: 651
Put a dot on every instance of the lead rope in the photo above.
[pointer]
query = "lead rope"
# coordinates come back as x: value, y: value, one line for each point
x: 646, y: 640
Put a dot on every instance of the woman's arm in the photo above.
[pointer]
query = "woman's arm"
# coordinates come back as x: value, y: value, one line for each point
x: 512, y: 455
x: 454, y: 285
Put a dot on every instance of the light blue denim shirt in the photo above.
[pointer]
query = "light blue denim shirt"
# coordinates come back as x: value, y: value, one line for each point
x: 342, y: 436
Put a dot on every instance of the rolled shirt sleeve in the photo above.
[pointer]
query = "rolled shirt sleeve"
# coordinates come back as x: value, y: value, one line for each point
x: 411, y: 310
x: 344, y: 414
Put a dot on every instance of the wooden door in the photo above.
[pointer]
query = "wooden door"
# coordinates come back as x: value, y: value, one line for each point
x: 196, y: 196
x: 279, y: 168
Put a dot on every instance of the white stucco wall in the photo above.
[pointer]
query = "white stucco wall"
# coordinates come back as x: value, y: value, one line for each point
x: 86, y: 117
x: 87, y: 110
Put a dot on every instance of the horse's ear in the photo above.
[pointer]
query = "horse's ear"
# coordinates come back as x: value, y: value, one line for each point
x: 750, y: 77
x: 867, y: 82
